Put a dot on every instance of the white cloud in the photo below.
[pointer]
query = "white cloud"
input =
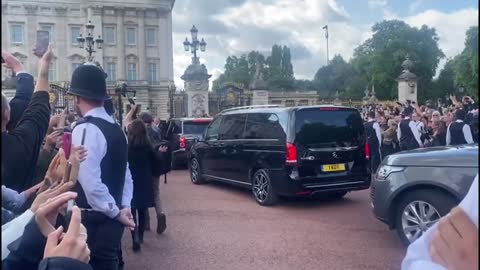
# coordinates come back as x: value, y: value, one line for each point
x: 450, y: 27
x: 415, y: 5
x: 257, y: 25
x: 377, y: 3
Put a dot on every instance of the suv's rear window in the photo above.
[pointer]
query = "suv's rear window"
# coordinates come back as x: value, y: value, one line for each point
x: 195, y: 127
x: 328, y: 128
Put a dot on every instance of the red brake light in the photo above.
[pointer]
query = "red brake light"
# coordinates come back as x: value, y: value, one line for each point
x: 329, y: 109
x: 291, y: 154
x: 182, y: 142
x: 367, y: 150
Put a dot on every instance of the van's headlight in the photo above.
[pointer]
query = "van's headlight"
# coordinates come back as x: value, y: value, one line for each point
x: 385, y: 170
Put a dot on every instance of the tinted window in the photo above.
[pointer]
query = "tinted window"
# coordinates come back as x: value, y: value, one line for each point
x: 232, y: 127
x: 317, y: 128
x: 212, y: 130
x: 195, y: 127
x: 264, y: 126
x: 175, y: 127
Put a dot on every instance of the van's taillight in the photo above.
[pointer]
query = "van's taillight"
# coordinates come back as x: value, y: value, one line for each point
x: 367, y: 150
x: 182, y: 142
x: 291, y: 154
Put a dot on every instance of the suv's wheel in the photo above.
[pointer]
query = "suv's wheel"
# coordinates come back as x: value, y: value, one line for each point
x: 262, y: 188
x: 195, y: 172
x: 419, y: 210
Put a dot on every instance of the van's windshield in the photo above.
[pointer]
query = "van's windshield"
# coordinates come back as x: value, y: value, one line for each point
x: 328, y: 128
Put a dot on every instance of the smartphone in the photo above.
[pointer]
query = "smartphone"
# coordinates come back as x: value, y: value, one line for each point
x: 68, y: 213
x: 43, y: 39
x: 67, y: 143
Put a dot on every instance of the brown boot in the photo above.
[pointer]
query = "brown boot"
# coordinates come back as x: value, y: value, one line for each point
x: 161, y: 223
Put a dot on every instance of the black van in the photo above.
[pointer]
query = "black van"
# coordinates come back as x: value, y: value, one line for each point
x: 277, y: 151
x: 182, y: 133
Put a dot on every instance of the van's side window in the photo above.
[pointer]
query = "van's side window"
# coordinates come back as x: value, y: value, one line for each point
x: 264, y: 126
x: 232, y: 127
x: 212, y: 131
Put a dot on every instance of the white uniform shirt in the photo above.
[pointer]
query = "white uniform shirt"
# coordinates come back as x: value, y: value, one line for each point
x: 467, y: 133
x: 418, y: 253
x: 96, y: 192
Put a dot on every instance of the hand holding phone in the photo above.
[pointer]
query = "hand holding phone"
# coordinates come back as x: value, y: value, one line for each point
x: 43, y: 40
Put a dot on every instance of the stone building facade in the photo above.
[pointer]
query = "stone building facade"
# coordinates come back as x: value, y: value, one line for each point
x: 137, y: 38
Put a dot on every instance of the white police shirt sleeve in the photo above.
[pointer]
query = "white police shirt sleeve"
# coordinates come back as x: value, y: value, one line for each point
x: 127, y: 188
x: 89, y: 175
x: 418, y: 253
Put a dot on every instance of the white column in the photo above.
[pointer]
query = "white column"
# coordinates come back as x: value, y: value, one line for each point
x: 120, y: 45
x: 30, y: 36
x: 165, y: 40
x: 170, y: 46
x: 63, y: 65
x: 142, y: 58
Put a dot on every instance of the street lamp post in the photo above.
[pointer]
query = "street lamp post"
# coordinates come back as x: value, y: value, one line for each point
x: 88, y: 41
x: 171, y: 92
x: 121, y: 90
x: 194, y: 45
x: 326, y: 36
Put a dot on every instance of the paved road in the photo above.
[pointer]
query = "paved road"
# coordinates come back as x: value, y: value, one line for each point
x: 216, y: 226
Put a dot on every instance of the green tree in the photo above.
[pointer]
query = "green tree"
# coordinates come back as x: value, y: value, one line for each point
x: 466, y: 64
x: 379, y: 58
x: 339, y: 76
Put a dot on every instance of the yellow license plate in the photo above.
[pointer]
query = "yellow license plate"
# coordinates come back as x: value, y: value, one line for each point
x: 333, y: 167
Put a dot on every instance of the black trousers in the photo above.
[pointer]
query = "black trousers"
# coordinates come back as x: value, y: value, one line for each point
x: 104, y: 240
x: 409, y: 145
x: 139, y: 216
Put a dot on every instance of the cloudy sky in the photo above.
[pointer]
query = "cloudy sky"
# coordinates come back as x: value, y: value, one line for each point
x: 233, y: 27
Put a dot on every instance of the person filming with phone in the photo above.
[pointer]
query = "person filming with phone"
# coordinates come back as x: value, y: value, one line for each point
x: 21, y: 146
x: 104, y: 184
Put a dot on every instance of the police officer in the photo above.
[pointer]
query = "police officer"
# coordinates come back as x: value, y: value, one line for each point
x: 374, y: 138
x: 459, y: 132
x: 407, y: 132
x: 104, y: 183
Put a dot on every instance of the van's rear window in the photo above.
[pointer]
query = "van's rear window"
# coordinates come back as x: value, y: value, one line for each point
x: 195, y: 127
x: 328, y: 128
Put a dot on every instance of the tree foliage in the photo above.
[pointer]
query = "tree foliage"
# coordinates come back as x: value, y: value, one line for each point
x: 379, y: 59
x: 277, y: 69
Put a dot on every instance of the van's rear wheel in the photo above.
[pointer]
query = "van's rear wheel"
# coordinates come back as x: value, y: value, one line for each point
x: 262, y: 188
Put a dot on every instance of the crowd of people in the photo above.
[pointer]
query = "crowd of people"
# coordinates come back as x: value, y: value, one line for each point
x: 391, y: 128
x: 72, y: 182
x: 66, y: 200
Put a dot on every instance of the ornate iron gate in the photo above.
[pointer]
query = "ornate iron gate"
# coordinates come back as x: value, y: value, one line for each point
x: 59, y: 100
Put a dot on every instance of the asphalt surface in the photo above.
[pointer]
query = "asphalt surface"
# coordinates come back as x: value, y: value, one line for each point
x: 216, y: 226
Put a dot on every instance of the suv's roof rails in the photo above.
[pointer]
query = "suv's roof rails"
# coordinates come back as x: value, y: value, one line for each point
x: 251, y: 107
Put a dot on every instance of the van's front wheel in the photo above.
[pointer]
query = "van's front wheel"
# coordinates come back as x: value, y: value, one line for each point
x: 262, y: 188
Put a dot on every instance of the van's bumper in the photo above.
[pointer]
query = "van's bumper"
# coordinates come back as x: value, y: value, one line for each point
x: 286, y: 185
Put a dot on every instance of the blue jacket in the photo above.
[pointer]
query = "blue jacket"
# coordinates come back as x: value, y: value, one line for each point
x: 27, y: 253
x: 22, y: 97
